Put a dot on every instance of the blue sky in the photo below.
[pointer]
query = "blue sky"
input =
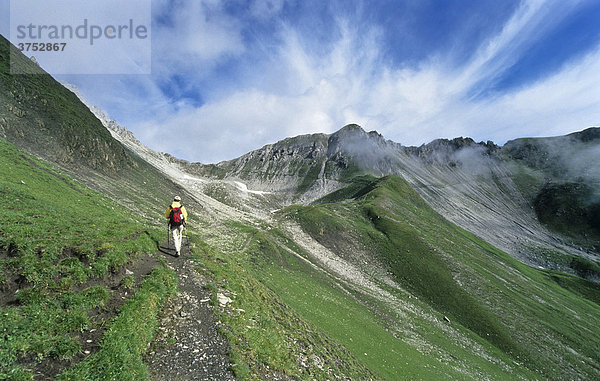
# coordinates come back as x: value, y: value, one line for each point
x: 231, y: 76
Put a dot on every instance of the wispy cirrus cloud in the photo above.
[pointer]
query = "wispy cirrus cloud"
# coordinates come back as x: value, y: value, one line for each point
x: 193, y: 34
x: 234, y: 81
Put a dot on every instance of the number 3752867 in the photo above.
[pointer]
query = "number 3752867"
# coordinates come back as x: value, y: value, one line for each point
x: 42, y: 46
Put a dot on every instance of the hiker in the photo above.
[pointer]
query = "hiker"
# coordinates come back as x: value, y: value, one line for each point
x: 177, y: 216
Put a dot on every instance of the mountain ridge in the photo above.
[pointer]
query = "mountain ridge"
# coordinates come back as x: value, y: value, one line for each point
x: 456, y: 176
x: 307, y: 167
x: 64, y: 129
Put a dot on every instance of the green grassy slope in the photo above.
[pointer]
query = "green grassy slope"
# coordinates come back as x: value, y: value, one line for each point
x: 40, y: 115
x: 58, y: 237
x: 55, y: 236
x: 120, y: 354
x: 270, y: 340
x: 526, y: 314
x: 572, y: 208
x: 364, y: 325
x: 337, y: 330
x: 47, y: 120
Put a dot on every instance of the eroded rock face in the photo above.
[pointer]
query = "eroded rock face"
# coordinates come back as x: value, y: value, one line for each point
x: 279, y: 167
x: 308, y: 163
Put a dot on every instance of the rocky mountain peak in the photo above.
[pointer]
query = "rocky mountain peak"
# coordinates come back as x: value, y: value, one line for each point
x: 353, y: 141
x: 349, y: 130
x: 591, y: 134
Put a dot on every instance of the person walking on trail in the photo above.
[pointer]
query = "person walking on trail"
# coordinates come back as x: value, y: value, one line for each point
x: 177, y: 216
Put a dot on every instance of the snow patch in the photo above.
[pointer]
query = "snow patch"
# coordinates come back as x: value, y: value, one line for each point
x: 192, y: 178
x: 244, y: 188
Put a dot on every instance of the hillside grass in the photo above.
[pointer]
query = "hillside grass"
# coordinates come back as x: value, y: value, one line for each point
x: 295, y: 320
x: 570, y: 208
x: 310, y: 175
x: 417, y: 265
x: 352, y: 319
x: 48, y: 119
x: 514, y: 308
x: 359, y: 186
x: 565, y: 204
x: 120, y: 354
x: 267, y: 338
x: 55, y: 235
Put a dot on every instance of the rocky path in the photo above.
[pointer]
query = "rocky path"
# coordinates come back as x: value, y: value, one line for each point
x: 188, y: 345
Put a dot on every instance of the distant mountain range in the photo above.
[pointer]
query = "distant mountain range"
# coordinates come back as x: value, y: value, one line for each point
x: 530, y: 193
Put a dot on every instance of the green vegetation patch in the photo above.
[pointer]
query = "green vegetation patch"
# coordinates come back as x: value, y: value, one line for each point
x: 268, y: 338
x: 44, y: 115
x: 45, y: 327
x: 55, y: 236
x: 581, y: 287
x: 120, y: 354
x: 422, y: 270
x: 359, y: 186
x: 57, y: 233
x: 571, y: 208
x: 514, y: 308
x: 339, y: 313
x: 311, y: 175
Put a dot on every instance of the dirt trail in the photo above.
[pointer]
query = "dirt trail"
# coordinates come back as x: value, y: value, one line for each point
x: 188, y: 345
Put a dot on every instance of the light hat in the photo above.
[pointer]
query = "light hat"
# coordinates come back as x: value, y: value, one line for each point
x: 177, y: 198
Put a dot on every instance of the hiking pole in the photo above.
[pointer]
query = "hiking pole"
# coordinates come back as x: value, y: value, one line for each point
x: 168, y: 236
x: 187, y: 240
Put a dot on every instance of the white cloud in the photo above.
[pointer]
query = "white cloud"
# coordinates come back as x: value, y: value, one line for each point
x: 97, y: 37
x: 196, y: 36
x: 235, y: 125
x: 567, y: 101
x: 307, y: 87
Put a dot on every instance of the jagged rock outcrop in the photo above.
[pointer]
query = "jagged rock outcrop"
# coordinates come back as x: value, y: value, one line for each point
x: 315, y: 163
x: 291, y: 165
x: 444, y: 150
